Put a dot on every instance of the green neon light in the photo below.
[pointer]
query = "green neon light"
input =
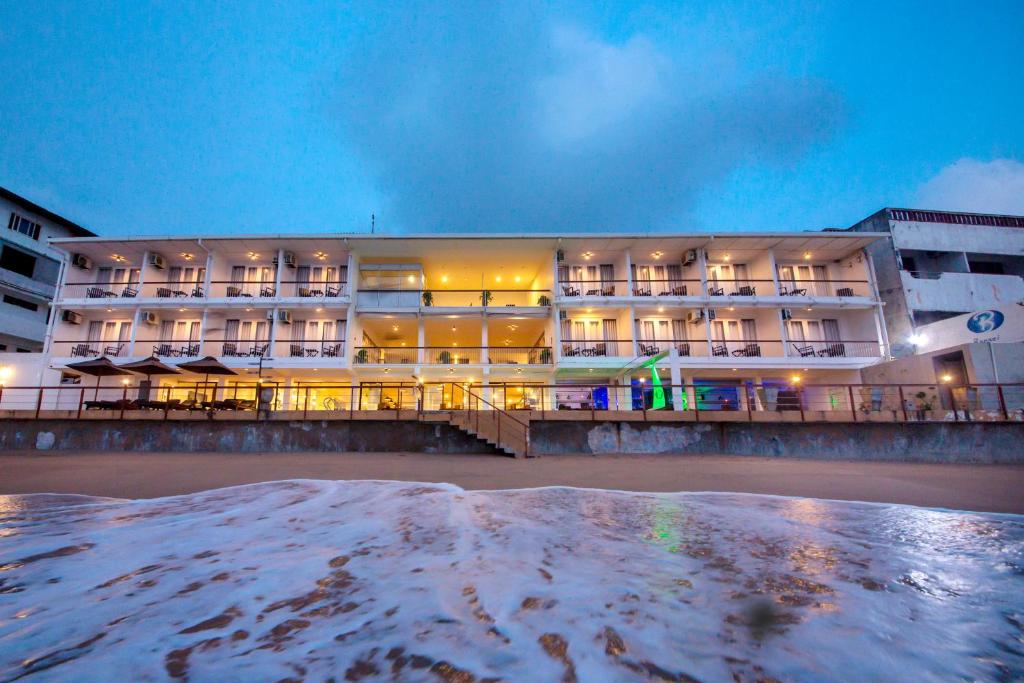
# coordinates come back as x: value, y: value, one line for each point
x: 658, y: 395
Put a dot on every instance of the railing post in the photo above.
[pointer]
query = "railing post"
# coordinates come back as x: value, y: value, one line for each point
x: 750, y: 409
x: 903, y: 403
x: 81, y: 400
x: 853, y: 408
x: 398, y: 404
x: 542, y: 402
x: 305, y: 403
x: 39, y: 401
x: 124, y: 399
x: 952, y: 399
x: 1002, y: 403
x: 696, y: 403
x: 800, y: 400
x: 592, y: 418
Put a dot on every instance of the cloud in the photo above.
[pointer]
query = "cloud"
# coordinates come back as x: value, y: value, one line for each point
x: 508, y: 120
x: 972, y: 185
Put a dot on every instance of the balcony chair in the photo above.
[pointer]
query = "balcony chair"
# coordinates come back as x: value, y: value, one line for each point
x: 684, y: 349
x: 748, y: 350
x: 796, y: 291
x: 600, y: 349
x: 198, y: 292
x: 805, y: 351
x: 640, y: 291
x: 83, y: 350
x: 677, y: 290
x: 331, y: 351
x: 716, y: 291
x: 835, y: 350
x: 844, y: 291
x: 608, y: 290
x: 570, y: 351
x: 163, y: 292
x: 98, y: 293
x: 745, y: 290
x: 570, y: 290
x: 258, y: 350
x: 229, y: 350
x: 189, y: 350
x: 164, y: 350
x: 296, y: 351
x: 267, y: 292
x: 129, y: 293
x: 649, y: 350
x: 113, y: 350
x: 333, y: 291
x: 720, y: 350
x: 234, y: 291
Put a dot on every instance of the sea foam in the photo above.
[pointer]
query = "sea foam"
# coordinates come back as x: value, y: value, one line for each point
x: 373, y: 580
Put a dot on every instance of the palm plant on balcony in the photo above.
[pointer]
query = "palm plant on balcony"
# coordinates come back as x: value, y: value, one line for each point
x: 445, y: 358
x: 428, y: 298
x: 485, y: 297
x: 545, y: 356
x: 543, y: 300
x: 362, y: 355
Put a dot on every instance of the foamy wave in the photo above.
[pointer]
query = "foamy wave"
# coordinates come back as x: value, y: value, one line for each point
x: 397, y: 581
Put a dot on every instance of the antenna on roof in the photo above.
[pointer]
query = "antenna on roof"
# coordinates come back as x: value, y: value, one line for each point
x: 373, y: 222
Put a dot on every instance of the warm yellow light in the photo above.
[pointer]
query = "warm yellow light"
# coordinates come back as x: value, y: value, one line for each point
x: 411, y: 278
x: 947, y: 378
x: 252, y: 255
x: 661, y: 309
x: 796, y: 379
x: 187, y: 256
x: 320, y: 256
x: 587, y: 255
x: 807, y: 256
x: 642, y: 380
x: 403, y: 343
x: 444, y: 278
x: 657, y: 255
x: 319, y: 309
x: 497, y: 278
x: 518, y: 278
x: 726, y: 257
x: 394, y: 328
x: 590, y: 310
x: 124, y: 382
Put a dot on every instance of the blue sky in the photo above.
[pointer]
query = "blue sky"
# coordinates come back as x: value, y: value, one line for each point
x: 138, y: 118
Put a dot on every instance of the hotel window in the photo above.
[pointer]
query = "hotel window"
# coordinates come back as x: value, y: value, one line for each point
x: 24, y: 226
x: 15, y: 301
x: 17, y: 261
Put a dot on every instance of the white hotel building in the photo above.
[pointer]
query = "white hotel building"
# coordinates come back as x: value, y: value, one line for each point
x: 507, y: 313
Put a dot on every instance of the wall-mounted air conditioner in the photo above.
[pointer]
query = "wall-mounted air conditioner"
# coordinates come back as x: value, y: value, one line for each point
x: 148, y: 318
x: 711, y: 314
x: 81, y: 261
x: 563, y: 315
x: 689, y: 257
x: 695, y: 316
x: 560, y: 255
x: 284, y: 317
x: 157, y: 261
x: 787, y: 314
x: 71, y: 317
x: 289, y: 259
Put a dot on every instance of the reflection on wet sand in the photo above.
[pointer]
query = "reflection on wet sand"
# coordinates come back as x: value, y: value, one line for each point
x: 306, y: 580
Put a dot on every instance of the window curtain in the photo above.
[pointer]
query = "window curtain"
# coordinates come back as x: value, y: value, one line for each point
x: 663, y: 333
x: 193, y: 331
x: 125, y: 333
x: 648, y: 330
x: 610, y: 329
x: 95, y: 331
x: 298, y: 331
x: 231, y: 331
x: 109, y: 331
x: 795, y: 329
x: 607, y: 274
x: 718, y: 330
x: 174, y: 274
x: 566, y: 330
x: 577, y: 274
x: 342, y: 274
x: 579, y: 331
x: 563, y: 273
x: 679, y: 330
x: 740, y: 274
x: 167, y: 330
x: 831, y: 329
x: 749, y: 329
x: 591, y: 273
x: 675, y: 274
x: 261, y: 331
x: 103, y: 276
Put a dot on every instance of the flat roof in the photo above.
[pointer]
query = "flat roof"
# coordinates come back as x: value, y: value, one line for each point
x: 46, y: 213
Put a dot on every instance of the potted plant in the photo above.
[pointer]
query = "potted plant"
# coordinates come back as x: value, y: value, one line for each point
x: 545, y: 355
x: 924, y: 404
x: 428, y: 298
x: 362, y: 355
x: 543, y: 300
x: 444, y: 358
x: 485, y: 297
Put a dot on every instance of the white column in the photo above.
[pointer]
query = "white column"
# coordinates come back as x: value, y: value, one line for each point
x: 702, y: 264
x: 775, y: 271
x: 421, y: 336
x: 272, y: 341
x: 277, y: 273
x: 202, y: 336
x: 784, y: 334
x: 208, y: 278
x: 629, y: 272
x: 135, y: 330
x: 676, y: 378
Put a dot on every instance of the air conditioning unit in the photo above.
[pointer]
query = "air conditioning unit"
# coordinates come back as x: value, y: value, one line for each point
x: 157, y: 261
x: 71, y: 317
x: 689, y: 257
x: 711, y: 314
x: 695, y: 316
x: 284, y: 317
x: 787, y: 314
x: 560, y: 255
x: 81, y: 261
x: 563, y: 315
x: 148, y: 317
x: 289, y: 259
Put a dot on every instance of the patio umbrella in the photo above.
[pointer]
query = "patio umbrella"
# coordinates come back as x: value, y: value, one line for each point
x: 207, y: 366
x: 98, y: 367
x: 149, y: 367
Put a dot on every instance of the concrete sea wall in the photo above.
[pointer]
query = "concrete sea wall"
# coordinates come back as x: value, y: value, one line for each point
x: 987, y: 442
x: 907, y: 442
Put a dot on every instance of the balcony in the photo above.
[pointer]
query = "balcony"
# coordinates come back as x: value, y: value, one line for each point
x: 617, y: 348
x: 489, y: 299
x: 825, y: 288
x: 451, y: 356
x: 960, y: 292
x: 309, y: 348
x: 835, y: 349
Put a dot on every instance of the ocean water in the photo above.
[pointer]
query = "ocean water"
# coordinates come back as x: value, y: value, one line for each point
x: 314, y: 580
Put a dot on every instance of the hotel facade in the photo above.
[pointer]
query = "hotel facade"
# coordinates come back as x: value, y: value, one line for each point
x: 506, y: 314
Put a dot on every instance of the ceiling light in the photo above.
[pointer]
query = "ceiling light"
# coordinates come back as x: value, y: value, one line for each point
x: 726, y: 257
x: 252, y: 255
x: 319, y: 255
x: 657, y: 254
x: 661, y: 309
x: 453, y: 328
x: 518, y: 278
x: 587, y: 255
x: 394, y: 328
x: 497, y: 278
x: 411, y: 278
x: 319, y: 309
x: 182, y: 310
x: 796, y: 379
x: 118, y: 258
x: 807, y: 256
x: 444, y: 278
x: 248, y: 310
x: 187, y: 256
x: 732, y: 308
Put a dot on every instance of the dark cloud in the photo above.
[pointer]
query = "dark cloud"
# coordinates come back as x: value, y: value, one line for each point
x: 513, y: 120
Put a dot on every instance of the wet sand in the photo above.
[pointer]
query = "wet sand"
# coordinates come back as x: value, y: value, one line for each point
x: 989, y: 488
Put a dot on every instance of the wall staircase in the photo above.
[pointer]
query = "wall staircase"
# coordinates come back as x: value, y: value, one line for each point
x: 492, y: 425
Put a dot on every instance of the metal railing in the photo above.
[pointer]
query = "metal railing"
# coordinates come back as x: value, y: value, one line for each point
x: 835, y: 349
x: 837, y: 288
x: 309, y: 348
x: 703, y: 401
x: 455, y: 298
x: 687, y: 287
x: 581, y: 288
x: 597, y: 348
x: 741, y: 287
x: 100, y: 290
x: 494, y: 424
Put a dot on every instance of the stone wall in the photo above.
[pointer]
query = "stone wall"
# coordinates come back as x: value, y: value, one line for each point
x: 924, y: 442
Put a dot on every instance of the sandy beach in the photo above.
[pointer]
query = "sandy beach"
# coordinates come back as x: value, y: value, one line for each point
x: 989, y: 488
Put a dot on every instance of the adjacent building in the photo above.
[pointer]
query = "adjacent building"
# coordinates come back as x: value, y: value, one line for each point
x: 30, y: 269
x: 506, y: 313
x: 935, y: 265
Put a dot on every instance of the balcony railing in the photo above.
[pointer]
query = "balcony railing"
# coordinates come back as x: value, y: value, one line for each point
x: 666, y: 288
x: 448, y: 355
x: 310, y: 348
x: 597, y: 349
x: 100, y: 290
x: 684, y: 347
x: 581, y: 288
x: 184, y: 289
x: 168, y: 348
x: 741, y: 287
x: 237, y: 348
x: 748, y: 348
x: 454, y: 298
x: 835, y: 349
x: 840, y: 288
x: 305, y: 289
x: 88, y: 349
